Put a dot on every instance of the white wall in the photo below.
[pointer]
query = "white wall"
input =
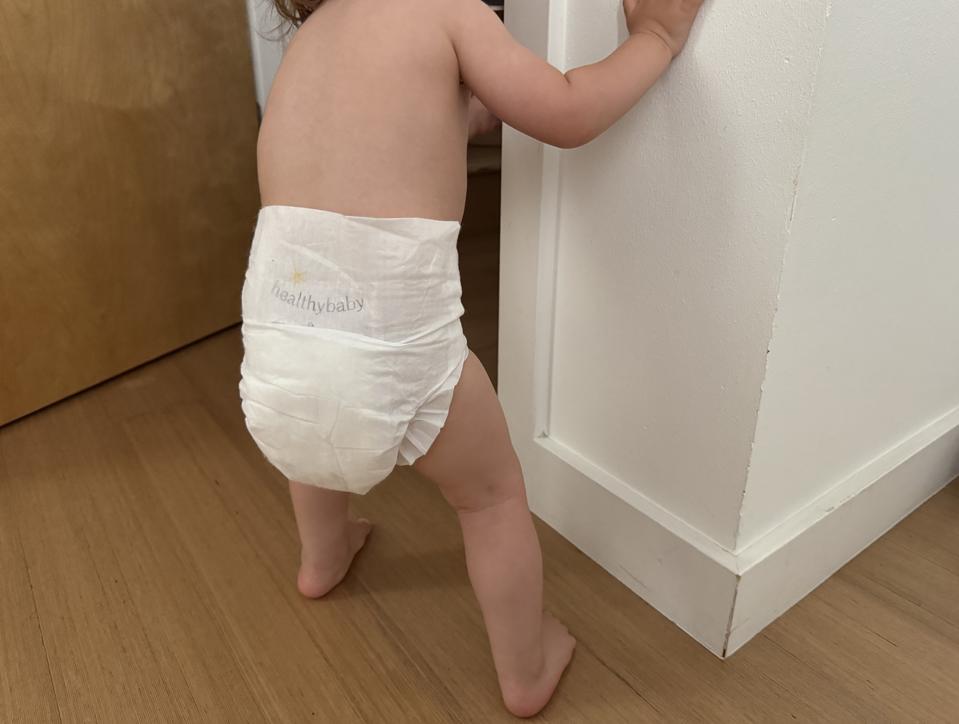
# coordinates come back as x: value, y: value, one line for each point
x: 728, y: 342
x: 671, y: 237
x: 266, y: 46
x: 865, y: 351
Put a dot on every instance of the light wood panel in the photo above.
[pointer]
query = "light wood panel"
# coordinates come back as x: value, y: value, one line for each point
x: 127, y: 189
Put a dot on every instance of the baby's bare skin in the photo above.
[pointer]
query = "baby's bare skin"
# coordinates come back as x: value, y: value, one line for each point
x: 367, y: 115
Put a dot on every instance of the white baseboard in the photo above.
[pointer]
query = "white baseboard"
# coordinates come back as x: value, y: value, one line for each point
x: 783, y: 566
x: 669, y: 571
x: 723, y: 598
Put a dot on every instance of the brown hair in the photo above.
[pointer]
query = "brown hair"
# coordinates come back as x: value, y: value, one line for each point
x: 294, y: 12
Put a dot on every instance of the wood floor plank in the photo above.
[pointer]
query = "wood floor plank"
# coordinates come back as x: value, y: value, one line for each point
x: 924, y: 662
x: 428, y: 539
x: 827, y: 630
x: 209, y: 381
x: 101, y: 659
x: 162, y: 553
x: 209, y: 378
x: 347, y: 625
x: 912, y: 572
x: 931, y: 531
x: 906, y: 607
x: 289, y: 678
x: 420, y: 590
x: 26, y: 686
x: 660, y: 662
x: 165, y: 585
x: 260, y: 495
x: 813, y: 696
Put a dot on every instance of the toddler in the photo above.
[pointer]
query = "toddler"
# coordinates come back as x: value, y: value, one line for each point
x: 354, y: 355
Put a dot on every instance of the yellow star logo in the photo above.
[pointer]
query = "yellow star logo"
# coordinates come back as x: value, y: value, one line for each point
x: 298, y: 276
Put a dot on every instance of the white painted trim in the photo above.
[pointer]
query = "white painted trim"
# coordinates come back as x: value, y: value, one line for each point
x: 776, y: 571
x: 635, y: 499
x: 550, y: 200
x: 783, y: 566
x: 670, y: 574
x: 670, y: 564
x: 546, y: 287
x: 858, y: 482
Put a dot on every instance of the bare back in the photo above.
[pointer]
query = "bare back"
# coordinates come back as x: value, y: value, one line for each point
x: 367, y: 115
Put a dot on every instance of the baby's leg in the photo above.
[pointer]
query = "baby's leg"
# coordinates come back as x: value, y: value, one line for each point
x: 328, y: 537
x: 476, y: 468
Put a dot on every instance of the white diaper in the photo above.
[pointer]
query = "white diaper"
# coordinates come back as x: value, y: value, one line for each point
x: 352, y: 342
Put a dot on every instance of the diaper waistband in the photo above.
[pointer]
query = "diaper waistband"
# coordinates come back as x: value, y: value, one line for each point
x: 393, y: 278
x: 304, y: 218
x: 364, y: 239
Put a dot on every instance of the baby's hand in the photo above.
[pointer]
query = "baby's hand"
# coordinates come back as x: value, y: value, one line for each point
x: 481, y: 120
x: 670, y: 20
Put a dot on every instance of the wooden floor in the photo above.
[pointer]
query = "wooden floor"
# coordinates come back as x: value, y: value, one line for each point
x: 149, y: 553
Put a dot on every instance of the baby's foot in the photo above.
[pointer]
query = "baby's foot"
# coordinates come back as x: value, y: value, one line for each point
x: 317, y: 578
x: 527, y: 699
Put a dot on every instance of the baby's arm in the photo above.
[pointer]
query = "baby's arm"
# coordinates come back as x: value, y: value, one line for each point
x: 565, y: 110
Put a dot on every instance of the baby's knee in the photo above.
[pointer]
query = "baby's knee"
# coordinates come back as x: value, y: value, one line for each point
x: 490, y: 491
